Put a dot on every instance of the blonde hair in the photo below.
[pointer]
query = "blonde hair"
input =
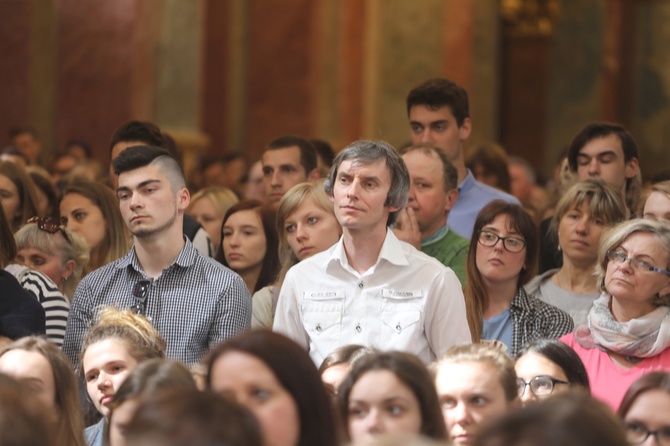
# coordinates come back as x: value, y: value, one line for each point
x: 221, y: 197
x: 291, y: 200
x: 140, y: 337
x: 503, y: 364
x: 76, y: 249
x: 663, y: 187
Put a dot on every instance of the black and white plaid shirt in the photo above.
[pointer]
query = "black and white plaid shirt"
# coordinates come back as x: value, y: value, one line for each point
x: 533, y: 319
x: 195, y: 303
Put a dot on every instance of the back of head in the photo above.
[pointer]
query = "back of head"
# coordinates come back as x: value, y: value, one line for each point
x: 409, y: 370
x: 137, y: 157
x: 204, y: 419
x: 296, y: 372
x: 571, y: 418
x: 22, y: 420
x: 145, y: 133
x: 487, y: 354
x: 364, y: 152
x: 437, y: 93
x: 596, y: 130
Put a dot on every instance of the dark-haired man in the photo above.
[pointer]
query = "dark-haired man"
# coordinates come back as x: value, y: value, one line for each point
x: 192, y: 300
x: 139, y: 133
x: 287, y: 161
x: 439, y: 114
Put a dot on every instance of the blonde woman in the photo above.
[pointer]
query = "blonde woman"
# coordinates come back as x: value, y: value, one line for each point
x: 208, y: 207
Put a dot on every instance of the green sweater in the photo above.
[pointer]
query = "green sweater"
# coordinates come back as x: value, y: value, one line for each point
x: 451, y: 250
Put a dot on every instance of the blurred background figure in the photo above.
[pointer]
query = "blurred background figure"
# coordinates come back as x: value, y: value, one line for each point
x: 489, y: 164
x: 22, y: 420
x: 524, y: 187
x: 208, y: 206
x: 14, y: 155
x: 25, y: 139
x: 324, y: 155
x: 255, y: 186
x: 337, y: 365
x: 656, y: 203
x: 17, y: 194
x: 45, y: 192
x: 645, y: 410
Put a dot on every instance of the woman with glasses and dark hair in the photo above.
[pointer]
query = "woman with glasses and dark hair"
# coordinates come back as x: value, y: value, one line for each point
x: 45, y: 245
x: 628, y: 328
x: 645, y: 410
x: 502, y: 257
x: 582, y: 215
x: 113, y: 347
x: 547, y: 367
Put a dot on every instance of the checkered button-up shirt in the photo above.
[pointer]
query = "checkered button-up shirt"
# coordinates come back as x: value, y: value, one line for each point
x: 195, y: 303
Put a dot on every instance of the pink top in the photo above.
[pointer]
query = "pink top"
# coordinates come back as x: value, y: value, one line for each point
x: 609, y: 382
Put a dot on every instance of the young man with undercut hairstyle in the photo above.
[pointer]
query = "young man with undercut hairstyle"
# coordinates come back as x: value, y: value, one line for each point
x: 192, y: 300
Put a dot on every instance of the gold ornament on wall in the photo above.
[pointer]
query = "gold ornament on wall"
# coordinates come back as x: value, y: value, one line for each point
x: 529, y: 18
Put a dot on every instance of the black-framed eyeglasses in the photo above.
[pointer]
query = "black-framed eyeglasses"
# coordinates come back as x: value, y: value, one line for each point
x: 542, y: 385
x: 637, y: 433
x: 51, y: 225
x: 490, y: 239
x: 140, y: 291
x: 619, y: 257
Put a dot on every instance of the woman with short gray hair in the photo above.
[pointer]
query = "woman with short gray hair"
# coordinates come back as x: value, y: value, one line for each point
x: 628, y: 328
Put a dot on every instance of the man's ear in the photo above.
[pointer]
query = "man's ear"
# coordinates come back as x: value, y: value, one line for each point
x: 452, y: 196
x: 183, y: 199
x: 632, y: 168
x: 314, y: 175
x: 465, y: 129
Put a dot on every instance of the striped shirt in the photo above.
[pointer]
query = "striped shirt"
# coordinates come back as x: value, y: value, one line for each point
x: 194, y: 304
x: 56, y: 305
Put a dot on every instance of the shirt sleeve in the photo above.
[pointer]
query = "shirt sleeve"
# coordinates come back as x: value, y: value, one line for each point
x: 56, y: 306
x: 78, y: 321
x: 446, y: 323
x: 233, y: 312
x: 287, y: 316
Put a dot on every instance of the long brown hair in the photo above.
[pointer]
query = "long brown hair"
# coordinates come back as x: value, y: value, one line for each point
x: 476, y: 295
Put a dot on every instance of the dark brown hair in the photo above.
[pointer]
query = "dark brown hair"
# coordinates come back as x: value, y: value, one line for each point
x: 645, y: 383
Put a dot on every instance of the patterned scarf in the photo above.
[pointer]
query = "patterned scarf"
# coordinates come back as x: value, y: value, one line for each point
x: 643, y: 337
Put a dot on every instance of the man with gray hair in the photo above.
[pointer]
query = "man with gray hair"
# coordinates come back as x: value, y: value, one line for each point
x: 370, y: 288
x: 192, y: 300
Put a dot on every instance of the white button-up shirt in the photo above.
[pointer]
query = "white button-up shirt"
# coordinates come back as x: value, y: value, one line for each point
x: 406, y: 301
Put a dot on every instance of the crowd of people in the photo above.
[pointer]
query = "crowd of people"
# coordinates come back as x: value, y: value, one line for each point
x: 372, y: 296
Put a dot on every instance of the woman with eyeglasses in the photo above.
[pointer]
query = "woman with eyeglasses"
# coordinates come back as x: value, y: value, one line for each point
x: 582, y: 215
x: 111, y: 349
x: 645, y: 410
x: 502, y: 257
x: 45, y: 245
x: 628, y: 328
x: 547, y: 367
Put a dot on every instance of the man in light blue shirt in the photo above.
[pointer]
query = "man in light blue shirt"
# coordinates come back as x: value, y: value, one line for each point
x: 438, y: 112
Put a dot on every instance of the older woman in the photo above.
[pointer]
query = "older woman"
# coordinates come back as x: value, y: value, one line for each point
x: 582, y: 215
x: 628, y: 328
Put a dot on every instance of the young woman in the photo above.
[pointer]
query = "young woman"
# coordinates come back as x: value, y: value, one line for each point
x: 628, y: 325
x: 306, y: 226
x: 17, y: 194
x: 656, y: 204
x: 208, y: 207
x: 274, y: 378
x: 474, y: 383
x: 501, y: 258
x: 112, y: 348
x: 45, y: 245
x: 582, y: 215
x: 389, y: 393
x: 49, y: 375
x: 92, y: 210
x: 645, y: 409
x: 548, y: 367
x: 249, y: 243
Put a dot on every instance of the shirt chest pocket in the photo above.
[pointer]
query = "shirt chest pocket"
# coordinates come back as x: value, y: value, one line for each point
x: 322, y: 314
x: 402, y: 314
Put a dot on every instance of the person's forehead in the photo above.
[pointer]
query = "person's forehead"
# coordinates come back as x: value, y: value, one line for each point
x: 609, y: 143
x: 422, y: 163
x: 375, y: 168
x: 134, y: 177
x: 285, y: 155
